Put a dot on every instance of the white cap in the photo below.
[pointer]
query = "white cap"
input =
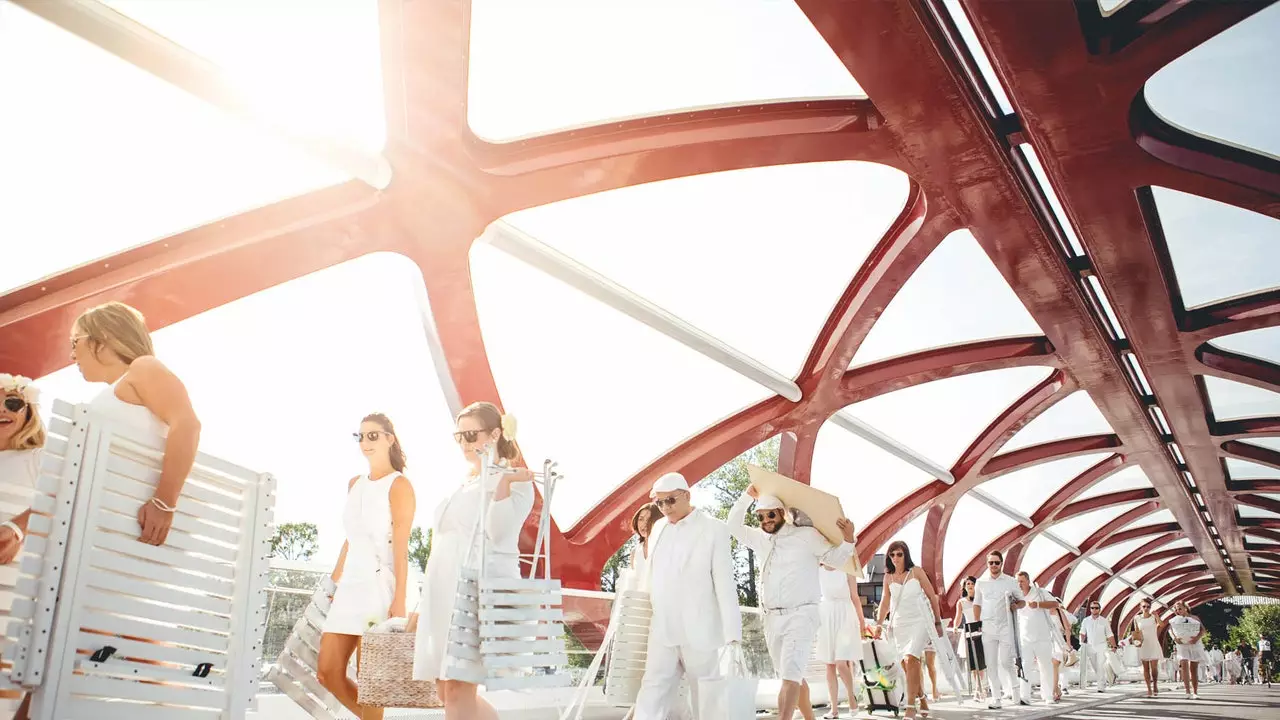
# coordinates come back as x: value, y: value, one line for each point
x: 769, y: 502
x: 668, y: 483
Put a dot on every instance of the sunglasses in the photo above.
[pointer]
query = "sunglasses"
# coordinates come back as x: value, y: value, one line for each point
x: 468, y: 435
x: 768, y: 514
x: 995, y: 563
x: 372, y: 435
x: 897, y: 553
x: 76, y: 340
x: 667, y: 501
x: 1095, y: 607
x: 14, y: 404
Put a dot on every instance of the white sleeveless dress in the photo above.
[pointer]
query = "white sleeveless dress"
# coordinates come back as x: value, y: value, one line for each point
x: 454, y: 523
x: 368, y: 579
x: 109, y: 407
x: 908, y: 620
x: 839, y: 637
x: 966, y: 617
x: 1150, y: 648
x: 19, y: 471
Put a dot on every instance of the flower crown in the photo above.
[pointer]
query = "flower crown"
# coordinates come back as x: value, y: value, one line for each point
x: 20, y: 385
x: 509, y: 427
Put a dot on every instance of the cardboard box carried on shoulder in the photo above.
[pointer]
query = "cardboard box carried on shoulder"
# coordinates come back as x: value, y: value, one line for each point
x: 822, y: 508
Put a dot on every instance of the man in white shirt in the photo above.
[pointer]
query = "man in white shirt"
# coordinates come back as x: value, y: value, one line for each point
x: 1037, y: 625
x: 789, y: 591
x: 1096, y: 638
x: 693, y: 596
x: 995, y: 597
x: 1215, y: 663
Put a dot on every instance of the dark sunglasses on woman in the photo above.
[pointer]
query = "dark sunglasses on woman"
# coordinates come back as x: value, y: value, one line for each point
x: 373, y: 435
x: 468, y: 435
x: 15, y: 404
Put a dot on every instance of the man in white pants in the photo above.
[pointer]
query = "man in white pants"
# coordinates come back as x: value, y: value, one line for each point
x: 1096, y: 639
x: 994, y: 598
x: 789, y: 591
x: 694, y: 600
x: 1036, y: 628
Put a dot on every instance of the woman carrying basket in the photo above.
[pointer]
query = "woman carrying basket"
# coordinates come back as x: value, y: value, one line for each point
x: 455, y: 541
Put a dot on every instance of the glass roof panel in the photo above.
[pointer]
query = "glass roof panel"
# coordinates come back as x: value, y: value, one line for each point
x: 1249, y: 511
x: 1076, y: 529
x: 1230, y: 75
x: 955, y: 296
x: 1245, y: 470
x: 162, y: 160
x: 207, y: 349
x: 1040, y: 554
x: 970, y: 38
x: 705, y: 247
x: 973, y: 525
x: 316, y: 67
x: 670, y: 392
x: 1271, y: 443
x: 1231, y: 400
x: 1127, y: 478
x: 1219, y: 251
x: 1110, y: 590
x: 1026, y: 490
x: 1076, y: 415
x: 540, y: 67
x: 1083, y: 574
x: 1263, y: 343
x: 912, y: 534
x: 1155, y: 518
x: 867, y: 480
x: 1109, y: 556
x: 941, y: 418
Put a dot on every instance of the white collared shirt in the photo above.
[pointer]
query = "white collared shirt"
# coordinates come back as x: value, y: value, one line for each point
x: 1034, y: 623
x: 992, y: 594
x: 1095, y: 631
x: 788, y: 558
x: 666, y: 569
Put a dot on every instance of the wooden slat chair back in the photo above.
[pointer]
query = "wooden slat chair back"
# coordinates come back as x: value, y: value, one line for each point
x: 29, y: 589
x: 171, y: 632
x: 630, y: 648
x: 294, y: 672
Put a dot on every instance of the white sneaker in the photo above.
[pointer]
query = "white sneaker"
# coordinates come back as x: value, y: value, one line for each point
x: 994, y: 705
x: 1188, y: 696
x: 1195, y: 696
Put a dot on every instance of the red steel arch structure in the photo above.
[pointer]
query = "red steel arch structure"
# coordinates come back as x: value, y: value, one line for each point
x: 1086, y: 254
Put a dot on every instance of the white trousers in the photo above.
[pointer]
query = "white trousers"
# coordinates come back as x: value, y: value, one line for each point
x: 1038, y: 655
x: 997, y: 645
x: 663, y: 668
x: 1094, y: 656
x: 790, y: 639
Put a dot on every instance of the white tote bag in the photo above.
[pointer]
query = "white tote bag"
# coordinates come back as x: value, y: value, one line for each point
x: 732, y: 695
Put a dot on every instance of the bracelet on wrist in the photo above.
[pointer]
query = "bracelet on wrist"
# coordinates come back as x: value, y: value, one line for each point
x: 162, y: 505
x: 16, y: 530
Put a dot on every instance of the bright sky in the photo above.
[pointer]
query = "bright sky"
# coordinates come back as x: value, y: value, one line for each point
x: 281, y: 389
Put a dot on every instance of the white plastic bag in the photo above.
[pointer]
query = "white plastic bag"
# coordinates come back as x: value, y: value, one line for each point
x: 732, y: 696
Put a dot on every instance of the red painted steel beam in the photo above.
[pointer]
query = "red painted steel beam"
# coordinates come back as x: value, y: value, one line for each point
x: 1151, y: 575
x: 1086, y: 143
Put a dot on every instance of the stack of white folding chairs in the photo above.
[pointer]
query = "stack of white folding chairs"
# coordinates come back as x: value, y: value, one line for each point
x: 105, y: 627
x: 508, y: 633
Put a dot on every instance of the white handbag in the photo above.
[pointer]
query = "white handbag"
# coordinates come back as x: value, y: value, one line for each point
x: 732, y: 695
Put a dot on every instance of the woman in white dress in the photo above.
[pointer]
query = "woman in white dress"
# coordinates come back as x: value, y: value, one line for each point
x: 110, y: 344
x: 22, y: 436
x: 839, y: 634
x: 909, y: 599
x: 479, y: 425
x: 1146, y: 635
x: 970, y: 646
x: 1187, y: 630
x: 638, y: 566
x: 372, y: 574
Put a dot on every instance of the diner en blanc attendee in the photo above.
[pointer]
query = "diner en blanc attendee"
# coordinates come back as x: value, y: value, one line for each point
x: 22, y: 436
x: 694, y: 600
x: 1036, y: 628
x: 911, y: 604
x: 454, y: 541
x: 1096, y: 639
x: 996, y: 597
x: 372, y: 573
x: 789, y: 557
x: 111, y: 344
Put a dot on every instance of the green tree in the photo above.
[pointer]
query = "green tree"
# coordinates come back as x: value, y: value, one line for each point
x: 728, y: 482
x: 419, y: 547
x: 295, y: 541
x: 1256, y: 622
x: 614, y: 566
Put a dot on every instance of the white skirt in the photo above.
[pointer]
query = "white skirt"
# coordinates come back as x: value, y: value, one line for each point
x: 360, y: 603
x: 838, y: 636
x: 1189, y: 651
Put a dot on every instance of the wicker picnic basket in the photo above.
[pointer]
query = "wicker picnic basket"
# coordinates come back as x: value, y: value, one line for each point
x: 386, y: 673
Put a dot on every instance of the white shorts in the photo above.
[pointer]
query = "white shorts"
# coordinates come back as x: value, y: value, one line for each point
x: 790, y: 639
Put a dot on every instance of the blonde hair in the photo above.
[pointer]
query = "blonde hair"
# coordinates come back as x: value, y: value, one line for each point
x: 119, y: 327
x: 31, y: 435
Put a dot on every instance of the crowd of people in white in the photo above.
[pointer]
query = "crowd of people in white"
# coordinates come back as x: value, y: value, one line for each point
x: 1007, y: 628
